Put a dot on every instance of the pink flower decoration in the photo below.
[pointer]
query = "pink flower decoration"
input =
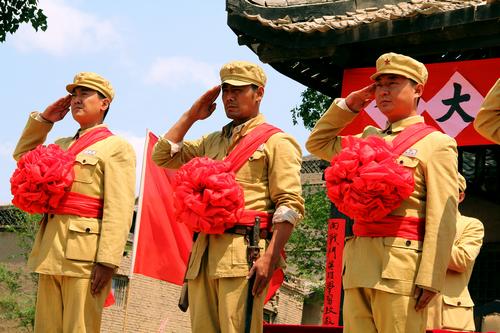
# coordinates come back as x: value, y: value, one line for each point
x: 364, y: 181
x: 41, y: 178
x: 207, y: 197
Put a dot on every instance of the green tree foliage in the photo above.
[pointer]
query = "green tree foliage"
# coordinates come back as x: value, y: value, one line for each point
x: 313, y: 105
x: 18, y: 300
x: 15, y: 12
x: 306, y: 249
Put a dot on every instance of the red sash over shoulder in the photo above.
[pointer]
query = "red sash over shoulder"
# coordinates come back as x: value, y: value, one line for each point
x: 365, y: 183
x: 207, y: 197
x: 44, y: 175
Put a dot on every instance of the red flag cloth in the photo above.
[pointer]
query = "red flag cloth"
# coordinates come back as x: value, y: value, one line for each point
x: 162, y: 244
x: 274, y: 284
x: 450, y: 102
x: 110, y: 299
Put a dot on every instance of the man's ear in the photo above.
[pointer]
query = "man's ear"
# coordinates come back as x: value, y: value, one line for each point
x: 419, y: 90
x: 105, y: 104
x: 260, y: 93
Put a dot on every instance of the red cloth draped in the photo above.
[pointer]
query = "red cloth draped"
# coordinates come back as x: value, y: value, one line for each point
x: 44, y: 174
x: 207, y: 197
x: 364, y: 181
x: 73, y: 203
x: 392, y: 226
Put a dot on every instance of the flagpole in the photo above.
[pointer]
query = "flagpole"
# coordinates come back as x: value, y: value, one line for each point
x: 139, y: 205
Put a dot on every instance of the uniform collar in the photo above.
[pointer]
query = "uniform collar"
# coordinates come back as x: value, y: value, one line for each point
x: 400, y: 125
x: 241, y: 130
x: 81, y: 132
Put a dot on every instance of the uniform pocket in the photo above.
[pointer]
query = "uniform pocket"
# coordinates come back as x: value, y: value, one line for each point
x: 83, y: 237
x: 255, y: 169
x: 401, y: 258
x: 458, y: 313
x: 85, y: 168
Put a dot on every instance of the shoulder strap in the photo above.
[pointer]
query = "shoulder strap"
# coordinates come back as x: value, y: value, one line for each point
x: 247, y: 146
x: 409, y: 136
x: 89, y: 139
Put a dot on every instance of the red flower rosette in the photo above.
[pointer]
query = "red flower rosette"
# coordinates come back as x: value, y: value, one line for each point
x: 207, y: 197
x: 364, y: 181
x: 41, y: 178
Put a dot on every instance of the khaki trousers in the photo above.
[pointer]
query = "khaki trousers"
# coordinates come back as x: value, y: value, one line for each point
x: 64, y: 305
x: 219, y: 305
x: 369, y: 310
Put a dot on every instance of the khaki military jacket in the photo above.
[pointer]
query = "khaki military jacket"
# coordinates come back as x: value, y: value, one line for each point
x: 270, y: 179
x: 396, y: 264
x: 452, y: 309
x: 487, y: 121
x: 70, y: 245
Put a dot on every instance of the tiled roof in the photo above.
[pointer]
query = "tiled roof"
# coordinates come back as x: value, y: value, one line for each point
x: 405, y: 9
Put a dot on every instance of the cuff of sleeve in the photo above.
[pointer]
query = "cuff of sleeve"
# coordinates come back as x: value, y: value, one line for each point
x: 286, y: 214
x: 429, y: 288
x: 175, y: 147
x: 108, y: 265
x: 341, y: 103
x: 38, y: 117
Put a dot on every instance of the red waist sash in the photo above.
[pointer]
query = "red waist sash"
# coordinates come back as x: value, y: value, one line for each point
x: 248, y: 219
x: 392, y: 226
x: 73, y: 203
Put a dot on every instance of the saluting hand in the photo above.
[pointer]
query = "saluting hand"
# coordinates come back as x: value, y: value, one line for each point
x: 204, y: 106
x: 359, y: 99
x: 57, y: 110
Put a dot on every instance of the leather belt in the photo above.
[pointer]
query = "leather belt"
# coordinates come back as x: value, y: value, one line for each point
x: 246, y: 230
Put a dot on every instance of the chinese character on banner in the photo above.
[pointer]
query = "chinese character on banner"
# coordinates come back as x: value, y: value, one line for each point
x: 333, y: 281
x: 450, y: 102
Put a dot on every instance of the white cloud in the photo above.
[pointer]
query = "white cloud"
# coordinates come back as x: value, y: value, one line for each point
x: 70, y: 31
x: 176, y: 72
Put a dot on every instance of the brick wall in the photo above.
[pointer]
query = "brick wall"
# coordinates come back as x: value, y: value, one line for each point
x: 150, y: 305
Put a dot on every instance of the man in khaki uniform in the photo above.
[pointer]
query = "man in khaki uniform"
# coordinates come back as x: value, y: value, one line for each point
x: 388, y: 281
x: 487, y: 121
x: 452, y: 309
x: 77, y: 256
x: 218, y: 269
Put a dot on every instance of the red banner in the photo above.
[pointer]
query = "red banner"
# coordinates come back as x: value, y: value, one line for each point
x: 162, y: 245
x: 333, y: 280
x: 450, y: 102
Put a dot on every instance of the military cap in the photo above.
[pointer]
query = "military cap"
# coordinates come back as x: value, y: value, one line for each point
x: 242, y: 73
x: 93, y: 81
x: 393, y: 63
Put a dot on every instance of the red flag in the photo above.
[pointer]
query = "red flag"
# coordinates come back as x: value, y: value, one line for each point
x: 161, y: 245
x: 274, y: 284
x: 110, y: 299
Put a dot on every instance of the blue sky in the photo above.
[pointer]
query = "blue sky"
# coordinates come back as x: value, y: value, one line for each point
x: 159, y: 58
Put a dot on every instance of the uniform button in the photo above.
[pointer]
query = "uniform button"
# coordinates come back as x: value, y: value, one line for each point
x: 459, y: 303
x: 408, y: 243
x: 84, y: 161
x: 401, y: 162
x: 87, y: 230
x: 51, y: 216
